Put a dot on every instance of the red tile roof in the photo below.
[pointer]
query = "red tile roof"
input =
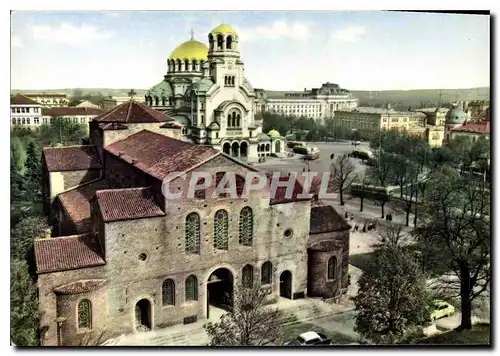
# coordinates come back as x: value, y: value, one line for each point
x: 20, y: 99
x: 326, y: 219
x: 82, y: 286
x: 159, y: 155
x: 66, y: 253
x: 71, y: 111
x: 47, y: 95
x: 128, y: 204
x: 71, y: 158
x: 76, y: 202
x: 481, y: 127
x: 133, y: 112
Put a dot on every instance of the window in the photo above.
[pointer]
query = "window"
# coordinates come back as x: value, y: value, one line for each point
x: 36, y: 120
x: 52, y: 120
x: 168, y: 292
x: 193, y: 233
x: 18, y: 110
x: 191, y: 289
x: 23, y: 120
x: 246, y: 226
x: 266, y: 272
x: 288, y: 233
x: 13, y: 110
x: 219, y: 42
x: 332, y: 263
x: 218, y: 178
x: 82, y: 120
x: 200, y: 193
x: 19, y: 121
x: 75, y: 120
x: 157, y: 101
x: 23, y: 110
x: 229, y: 42
x: 85, y: 314
x: 247, y: 276
x: 163, y: 101
x: 221, y: 230
x: 36, y: 110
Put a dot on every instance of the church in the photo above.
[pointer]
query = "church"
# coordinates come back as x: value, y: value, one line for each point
x: 121, y: 258
x: 205, y: 90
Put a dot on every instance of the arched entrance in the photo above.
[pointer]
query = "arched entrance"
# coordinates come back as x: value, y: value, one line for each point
x: 277, y: 147
x: 244, y: 149
x: 143, y: 314
x: 220, y: 287
x: 226, y: 148
x: 235, y: 147
x: 286, y: 284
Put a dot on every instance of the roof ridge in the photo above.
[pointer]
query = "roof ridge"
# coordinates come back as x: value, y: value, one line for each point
x: 72, y: 146
x: 107, y: 113
x: 122, y: 189
x: 130, y: 102
x: 64, y: 237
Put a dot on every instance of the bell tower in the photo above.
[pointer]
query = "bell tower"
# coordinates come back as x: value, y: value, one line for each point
x: 226, y: 67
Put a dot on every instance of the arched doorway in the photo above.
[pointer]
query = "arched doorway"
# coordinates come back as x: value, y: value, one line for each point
x: 227, y: 148
x: 220, y: 287
x: 286, y: 284
x: 277, y: 147
x: 244, y: 149
x: 143, y: 314
x: 235, y: 147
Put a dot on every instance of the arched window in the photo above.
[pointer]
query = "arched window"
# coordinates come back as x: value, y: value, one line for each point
x: 229, y: 42
x: 85, y: 314
x: 186, y: 64
x: 225, y: 80
x: 266, y: 272
x: 240, y: 185
x: 13, y: 121
x: 238, y: 119
x: 211, y: 42
x: 179, y: 62
x: 191, y: 288
x: 193, y: 233
x: 232, y: 81
x: 168, y: 292
x: 193, y: 68
x: 246, y: 226
x: 219, y: 41
x: 163, y: 101
x: 332, y: 263
x: 200, y: 192
x: 221, y: 230
x: 218, y: 178
x: 157, y: 101
x: 247, y: 276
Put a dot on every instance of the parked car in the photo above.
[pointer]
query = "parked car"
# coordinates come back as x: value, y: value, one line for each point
x: 441, y: 309
x: 310, y: 338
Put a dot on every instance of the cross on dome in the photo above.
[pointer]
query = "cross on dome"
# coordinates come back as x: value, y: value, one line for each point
x: 192, y: 34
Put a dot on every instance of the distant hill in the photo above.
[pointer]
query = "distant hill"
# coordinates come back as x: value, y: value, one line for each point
x: 399, y: 99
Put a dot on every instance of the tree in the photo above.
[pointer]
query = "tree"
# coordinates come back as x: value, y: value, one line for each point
x: 24, y: 316
x: 455, y: 221
x: 342, y: 171
x: 392, y: 297
x: 355, y: 136
x: 23, y: 235
x: 18, y: 152
x: 33, y: 175
x: 380, y: 174
x: 251, y: 322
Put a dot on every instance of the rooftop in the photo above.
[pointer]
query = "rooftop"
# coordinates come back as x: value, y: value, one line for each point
x: 71, y: 111
x: 20, y: 99
x: 128, y: 204
x: 71, y: 158
x: 481, y: 127
x: 326, y: 219
x: 132, y: 112
x: 81, y: 286
x: 66, y: 253
x: 159, y: 155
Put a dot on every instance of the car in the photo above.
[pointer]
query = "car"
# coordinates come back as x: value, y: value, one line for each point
x: 310, y: 338
x: 441, y: 309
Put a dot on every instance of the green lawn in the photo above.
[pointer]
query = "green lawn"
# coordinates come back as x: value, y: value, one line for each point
x: 479, y: 335
x: 291, y: 331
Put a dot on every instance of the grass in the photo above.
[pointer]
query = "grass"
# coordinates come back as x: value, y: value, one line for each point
x: 478, y: 335
x: 291, y: 331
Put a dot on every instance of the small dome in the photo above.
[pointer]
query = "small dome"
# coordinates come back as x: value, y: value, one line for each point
x: 224, y: 29
x: 273, y: 133
x: 202, y: 85
x: 162, y: 89
x: 455, y: 116
x: 263, y: 137
x: 190, y: 50
x: 214, y: 126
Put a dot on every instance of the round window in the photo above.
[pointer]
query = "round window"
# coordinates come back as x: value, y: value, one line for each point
x: 288, y: 233
x: 142, y: 257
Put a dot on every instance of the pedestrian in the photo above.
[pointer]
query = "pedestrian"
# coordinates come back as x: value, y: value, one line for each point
x: 390, y: 217
x: 346, y: 215
x: 356, y: 227
x: 352, y: 216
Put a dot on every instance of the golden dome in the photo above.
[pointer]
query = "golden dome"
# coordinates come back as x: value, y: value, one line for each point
x: 224, y: 29
x: 273, y: 133
x: 190, y: 50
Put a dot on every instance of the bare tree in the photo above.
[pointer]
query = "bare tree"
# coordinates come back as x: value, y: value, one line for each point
x: 380, y: 175
x: 92, y: 338
x: 455, y: 223
x: 343, y: 174
x: 251, y: 322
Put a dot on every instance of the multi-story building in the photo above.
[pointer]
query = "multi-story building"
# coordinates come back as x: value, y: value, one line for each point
x: 434, y: 116
x: 50, y: 100
x: 477, y: 107
x: 24, y: 112
x: 77, y: 115
x: 317, y: 103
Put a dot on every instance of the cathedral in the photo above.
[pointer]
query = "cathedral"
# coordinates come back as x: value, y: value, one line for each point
x: 205, y: 90
x: 121, y: 258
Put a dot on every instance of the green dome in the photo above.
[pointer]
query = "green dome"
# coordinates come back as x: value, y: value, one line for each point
x: 455, y: 116
x: 214, y: 126
x: 182, y: 120
x: 162, y: 89
x: 263, y: 137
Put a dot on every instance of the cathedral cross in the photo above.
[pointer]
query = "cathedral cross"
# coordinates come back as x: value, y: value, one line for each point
x: 132, y: 93
x: 192, y: 34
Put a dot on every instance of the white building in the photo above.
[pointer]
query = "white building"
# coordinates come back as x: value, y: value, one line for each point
x: 24, y: 111
x: 77, y: 115
x: 86, y: 104
x: 205, y: 89
x: 50, y: 100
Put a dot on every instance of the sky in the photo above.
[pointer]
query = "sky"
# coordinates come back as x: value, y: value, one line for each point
x: 282, y: 50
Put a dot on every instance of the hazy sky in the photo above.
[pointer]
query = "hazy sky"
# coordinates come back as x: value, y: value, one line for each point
x: 281, y: 50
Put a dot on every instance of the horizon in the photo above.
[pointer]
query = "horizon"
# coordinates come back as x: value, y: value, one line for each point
x: 359, y: 50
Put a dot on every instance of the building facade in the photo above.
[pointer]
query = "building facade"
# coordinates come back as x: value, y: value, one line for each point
x: 50, y: 100
x: 317, y: 103
x: 76, y: 115
x: 124, y: 258
x: 24, y: 112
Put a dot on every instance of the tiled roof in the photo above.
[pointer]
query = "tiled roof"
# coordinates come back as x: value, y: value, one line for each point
x: 76, y: 202
x: 71, y: 111
x: 82, y: 286
x: 128, y: 204
x: 49, y: 95
x: 159, y: 155
x: 66, y: 253
x: 71, y: 158
x: 481, y: 127
x: 132, y: 112
x: 326, y: 219
x: 20, y: 99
